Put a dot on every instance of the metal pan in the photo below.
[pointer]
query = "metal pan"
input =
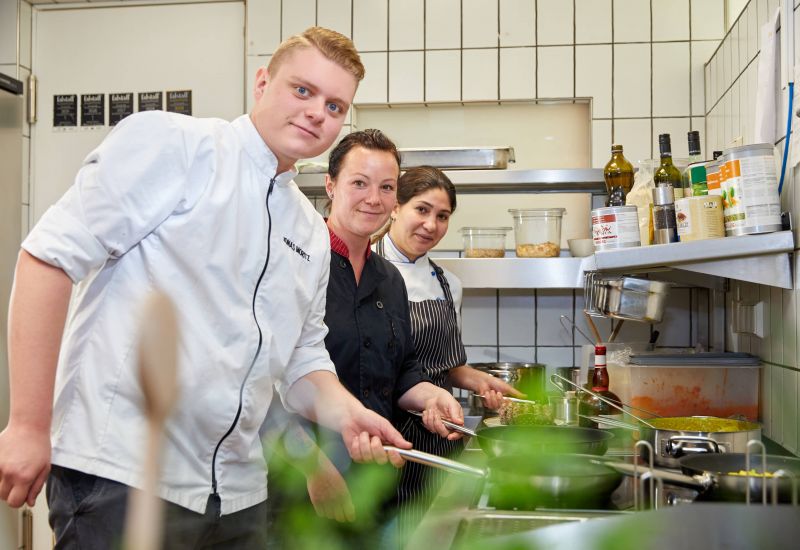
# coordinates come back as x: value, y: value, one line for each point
x: 563, y: 481
x: 497, y: 441
x: 711, y: 475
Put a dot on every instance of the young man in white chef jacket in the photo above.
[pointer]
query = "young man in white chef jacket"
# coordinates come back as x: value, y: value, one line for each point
x: 205, y: 210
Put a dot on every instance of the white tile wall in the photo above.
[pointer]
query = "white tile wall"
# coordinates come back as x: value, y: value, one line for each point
x: 406, y: 25
x: 517, y: 317
x: 631, y: 21
x: 517, y: 23
x: 670, y: 94
x: 370, y: 25
x: 479, y: 77
x: 263, y: 26
x: 677, y: 128
x: 517, y: 73
x: 406, y: 76
x: 479, y: 24
x: 670, y: 20
x: 593, y: 21
x: 601, y: 142
x: 554, y: 22
x: 442, y: 24
x: 629, y: 133
x: 593, y: 77
x: 735, y: 65
x: 631, y: 77
x: 555, y: 71
x: 373, y: 88
x: 443, y: 75
x: 708, y: 19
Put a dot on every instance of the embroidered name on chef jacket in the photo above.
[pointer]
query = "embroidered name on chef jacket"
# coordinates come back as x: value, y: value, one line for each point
x: 303, y: 254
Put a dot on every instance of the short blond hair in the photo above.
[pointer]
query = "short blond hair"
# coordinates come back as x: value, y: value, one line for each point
x: 333, y: 45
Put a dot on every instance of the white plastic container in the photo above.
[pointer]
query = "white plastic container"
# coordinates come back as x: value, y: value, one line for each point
x: 484, y: 242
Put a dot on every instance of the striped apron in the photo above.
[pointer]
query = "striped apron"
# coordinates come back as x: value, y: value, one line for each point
x: 437, y: 341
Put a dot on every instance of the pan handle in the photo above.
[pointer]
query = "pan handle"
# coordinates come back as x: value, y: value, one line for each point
x: 677, y: 447
x: 702, y: 482
x: 436, y: 461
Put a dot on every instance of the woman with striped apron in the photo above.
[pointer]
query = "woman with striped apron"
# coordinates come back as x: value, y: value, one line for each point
x: 425, y: 200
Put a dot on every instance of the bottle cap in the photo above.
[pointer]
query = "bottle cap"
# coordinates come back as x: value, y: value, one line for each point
x: 599, y: 348
x: 616, y: 148
x: 663, y: 194
x: 664, y: 138
x: 694, y: 142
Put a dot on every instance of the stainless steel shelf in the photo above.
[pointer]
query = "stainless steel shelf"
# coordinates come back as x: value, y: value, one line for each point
x: 762, y: 259
x: 517, y: 272
x: 588, y: 180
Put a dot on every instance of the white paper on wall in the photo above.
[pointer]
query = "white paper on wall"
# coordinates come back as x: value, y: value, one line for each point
x: 764, y: 128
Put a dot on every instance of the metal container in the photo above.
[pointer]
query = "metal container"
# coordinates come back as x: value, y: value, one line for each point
x: 671, y: 445
x: 457, y: 158
x: 750, y: 190
x: 529, y: 378
x: 615, y: 227
x: 634, y: 299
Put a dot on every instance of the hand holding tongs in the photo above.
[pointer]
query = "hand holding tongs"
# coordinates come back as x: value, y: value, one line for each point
x: 451, y: 425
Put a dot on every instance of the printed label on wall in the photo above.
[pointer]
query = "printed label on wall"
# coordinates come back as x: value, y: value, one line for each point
x: 119, y: 106
x: 65, y: 111
x: 93, y: 110
x: 150, y: 101
x: 180, y: 101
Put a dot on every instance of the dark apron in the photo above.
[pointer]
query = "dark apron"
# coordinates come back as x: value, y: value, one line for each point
x: 437, y: 341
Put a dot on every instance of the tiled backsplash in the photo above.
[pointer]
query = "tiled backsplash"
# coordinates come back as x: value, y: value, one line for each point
x: 731, y: 80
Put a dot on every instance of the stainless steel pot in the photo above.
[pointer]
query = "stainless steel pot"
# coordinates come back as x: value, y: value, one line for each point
x: 529, y: 378
x: 672, y: 444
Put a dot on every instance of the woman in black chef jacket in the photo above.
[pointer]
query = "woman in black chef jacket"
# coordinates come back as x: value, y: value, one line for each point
x: 369, y: 338
x: 426, y: 198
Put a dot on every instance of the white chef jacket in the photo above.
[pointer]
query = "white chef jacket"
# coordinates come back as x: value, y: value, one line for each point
x: 180, y: 204
x: 420, y: 278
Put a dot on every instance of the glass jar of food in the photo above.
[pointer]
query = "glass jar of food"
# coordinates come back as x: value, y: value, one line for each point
x: 484, y: 242
x: 537, y: 232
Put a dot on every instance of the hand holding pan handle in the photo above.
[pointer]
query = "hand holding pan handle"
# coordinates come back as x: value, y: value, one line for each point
x: 436, y: 461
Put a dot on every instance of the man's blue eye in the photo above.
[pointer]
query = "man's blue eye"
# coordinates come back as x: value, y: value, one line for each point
x: 333, y: 107
x: 302, y: 90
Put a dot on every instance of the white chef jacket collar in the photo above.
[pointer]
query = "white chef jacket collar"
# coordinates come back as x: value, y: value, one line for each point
x: 393, y: 253
x: 264, y: 158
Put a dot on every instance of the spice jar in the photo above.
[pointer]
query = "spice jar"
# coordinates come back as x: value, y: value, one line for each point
x: 665, y: 228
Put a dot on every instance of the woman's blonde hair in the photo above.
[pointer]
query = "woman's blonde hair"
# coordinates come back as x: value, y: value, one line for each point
x: 333, y: 45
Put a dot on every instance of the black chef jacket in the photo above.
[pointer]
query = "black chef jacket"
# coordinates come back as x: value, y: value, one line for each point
x: 369, y: 338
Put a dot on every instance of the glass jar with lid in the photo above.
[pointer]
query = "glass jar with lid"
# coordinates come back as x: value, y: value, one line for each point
x: 537, y: 232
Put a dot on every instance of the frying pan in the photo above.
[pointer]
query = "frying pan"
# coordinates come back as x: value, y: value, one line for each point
x: 522, y: 440
x: 710, y: 474
x: 555, y: 481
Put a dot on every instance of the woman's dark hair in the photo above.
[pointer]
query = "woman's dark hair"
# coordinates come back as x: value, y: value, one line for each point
x: 421, y: 179
x: 371, y: 139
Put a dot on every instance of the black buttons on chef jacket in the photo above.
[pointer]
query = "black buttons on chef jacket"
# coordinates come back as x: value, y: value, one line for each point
x: 385, y: 392
x: 342, y: 264
x: 367, y: 342
x: 379, y: 304
x: 365, y: 393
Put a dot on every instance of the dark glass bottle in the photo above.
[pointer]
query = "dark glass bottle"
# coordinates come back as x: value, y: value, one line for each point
x: 618, y: 174
x: 667, y: 173
x: 593, y: 406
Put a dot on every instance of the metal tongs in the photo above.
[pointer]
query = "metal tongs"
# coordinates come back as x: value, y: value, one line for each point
x: 609, y: 421
x: 450, y: 425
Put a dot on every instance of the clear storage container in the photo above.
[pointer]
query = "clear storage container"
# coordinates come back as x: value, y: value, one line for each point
x: 484, y: 242
x: 537, y: 232
x: 703, y: 384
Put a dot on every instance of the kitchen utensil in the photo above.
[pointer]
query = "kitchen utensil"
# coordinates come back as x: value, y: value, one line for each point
x: 514, y: 399
x: 563, y: 481
x: 484, y: 242
x: 565, y: 409
x: 671, y: 442
x: 593, y: 328
x: 615, y: 331
x: 574, y: 325
x: 529, y: 378
x: 712, y: 475
x: 158, y: 354
x: 457, y: 158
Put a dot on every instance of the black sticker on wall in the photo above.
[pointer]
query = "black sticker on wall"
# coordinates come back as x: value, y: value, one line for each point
x: 119, y: 106
x: 65, y: 111
x: 180, y: 101
x: 150, y: 101
x: 93, y: 109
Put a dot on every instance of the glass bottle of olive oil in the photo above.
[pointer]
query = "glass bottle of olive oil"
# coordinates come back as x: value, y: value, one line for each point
x: 667, y: 173
x: 618, y: 174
